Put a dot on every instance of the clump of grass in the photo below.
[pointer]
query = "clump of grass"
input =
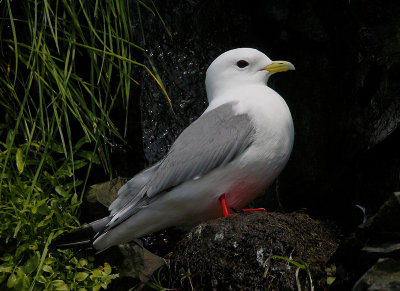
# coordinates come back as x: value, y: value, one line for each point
x: 69, y: 61
x: 64, y: 65
x: 300, y: 264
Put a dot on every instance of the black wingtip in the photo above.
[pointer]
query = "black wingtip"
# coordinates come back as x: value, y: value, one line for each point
x: 75, y: 239
x: 81, y: 237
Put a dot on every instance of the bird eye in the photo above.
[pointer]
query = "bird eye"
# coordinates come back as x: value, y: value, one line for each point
x: 242, y: 63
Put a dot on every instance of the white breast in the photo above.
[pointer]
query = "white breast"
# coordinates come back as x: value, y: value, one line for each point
x: 272, y: 144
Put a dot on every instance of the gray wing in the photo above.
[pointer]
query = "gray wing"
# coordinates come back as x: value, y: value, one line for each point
x: 129, y: 193
x: 213, y: 140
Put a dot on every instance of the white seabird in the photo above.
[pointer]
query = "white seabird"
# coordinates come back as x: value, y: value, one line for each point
x: 236, y: 148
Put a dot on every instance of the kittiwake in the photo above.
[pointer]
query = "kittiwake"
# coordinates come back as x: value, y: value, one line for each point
x: 234, y: 150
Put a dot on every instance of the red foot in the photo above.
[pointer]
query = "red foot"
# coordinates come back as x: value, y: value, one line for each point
x: 225, y: 211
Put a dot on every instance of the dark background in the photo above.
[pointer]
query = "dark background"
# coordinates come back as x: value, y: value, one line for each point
x: 344, y: 94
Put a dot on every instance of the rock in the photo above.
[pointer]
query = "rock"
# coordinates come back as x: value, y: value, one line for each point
x: 237, y: 253
x: 384, y: 275
x: 138, y: 262
x: 377, y: 238
x: 132, y: 260
x: 385, y: 224
x: 383, y: 227
x: 383, y: 231
x: 134, y: 264
x: 383, y: 250
x: 106, y: 192
x: 99, y: 197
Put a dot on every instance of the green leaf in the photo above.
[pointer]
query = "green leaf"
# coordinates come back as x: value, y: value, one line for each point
x: 58, y: 148
x: 90, y: 156
x: 50, y: 260
x: 78, y: 164
x: 42, y: 207
x: 21, y: 249
x: 81, y: 276
x: 23, y: 282
x: 20, y: 160
x: 107, y: 268
x: 74, y: 199
x: 330, y: 280
x: 12, y: 280
x: 46, y: 220
x: 59, y: 189
x: 60, y: 285
x: 10, y: 136
x: 17, y: 228
x: 6, y: 268
x: 6, y: 257
x: 31, y: 264
x: 104, y: 285
x: 83, y: 262
x: 47, y: 268
x: 41, y: 279
x: 81, y: 142
x: 74, y: 260
x: 95, y: 274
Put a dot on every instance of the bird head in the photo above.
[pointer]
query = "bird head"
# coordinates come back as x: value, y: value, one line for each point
x: 238, y: 67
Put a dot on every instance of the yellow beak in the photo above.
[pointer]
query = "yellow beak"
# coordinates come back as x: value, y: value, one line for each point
x: 279, y: 66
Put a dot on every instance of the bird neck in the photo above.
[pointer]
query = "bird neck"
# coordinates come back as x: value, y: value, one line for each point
x: 232, y: 91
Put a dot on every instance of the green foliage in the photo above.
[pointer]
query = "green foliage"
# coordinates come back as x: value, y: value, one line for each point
x: 43, y: 176
x: 64, y: 65
x: 300, y: 264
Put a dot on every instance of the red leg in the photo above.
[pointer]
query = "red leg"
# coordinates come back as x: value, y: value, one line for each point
x: 225, y: 211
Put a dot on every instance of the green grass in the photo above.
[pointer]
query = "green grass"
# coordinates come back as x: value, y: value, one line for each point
x: 64, y: 67
x: 300, y: 264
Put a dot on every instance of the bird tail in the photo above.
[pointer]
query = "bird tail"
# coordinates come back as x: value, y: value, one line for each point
x: 81, y: 237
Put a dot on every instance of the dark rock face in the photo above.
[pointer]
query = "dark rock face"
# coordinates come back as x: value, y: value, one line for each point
x: 231, y: 253
x: 344, y: 94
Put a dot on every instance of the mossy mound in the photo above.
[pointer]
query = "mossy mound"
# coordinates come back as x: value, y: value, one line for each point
x: 230, y: 253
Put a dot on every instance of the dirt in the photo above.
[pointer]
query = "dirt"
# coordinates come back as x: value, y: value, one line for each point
x: 231, y: 253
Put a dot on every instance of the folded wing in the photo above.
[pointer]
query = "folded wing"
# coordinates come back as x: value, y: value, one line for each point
x: 213, y: 140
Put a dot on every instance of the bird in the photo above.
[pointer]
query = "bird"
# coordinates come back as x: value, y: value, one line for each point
x: 221, y: 161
